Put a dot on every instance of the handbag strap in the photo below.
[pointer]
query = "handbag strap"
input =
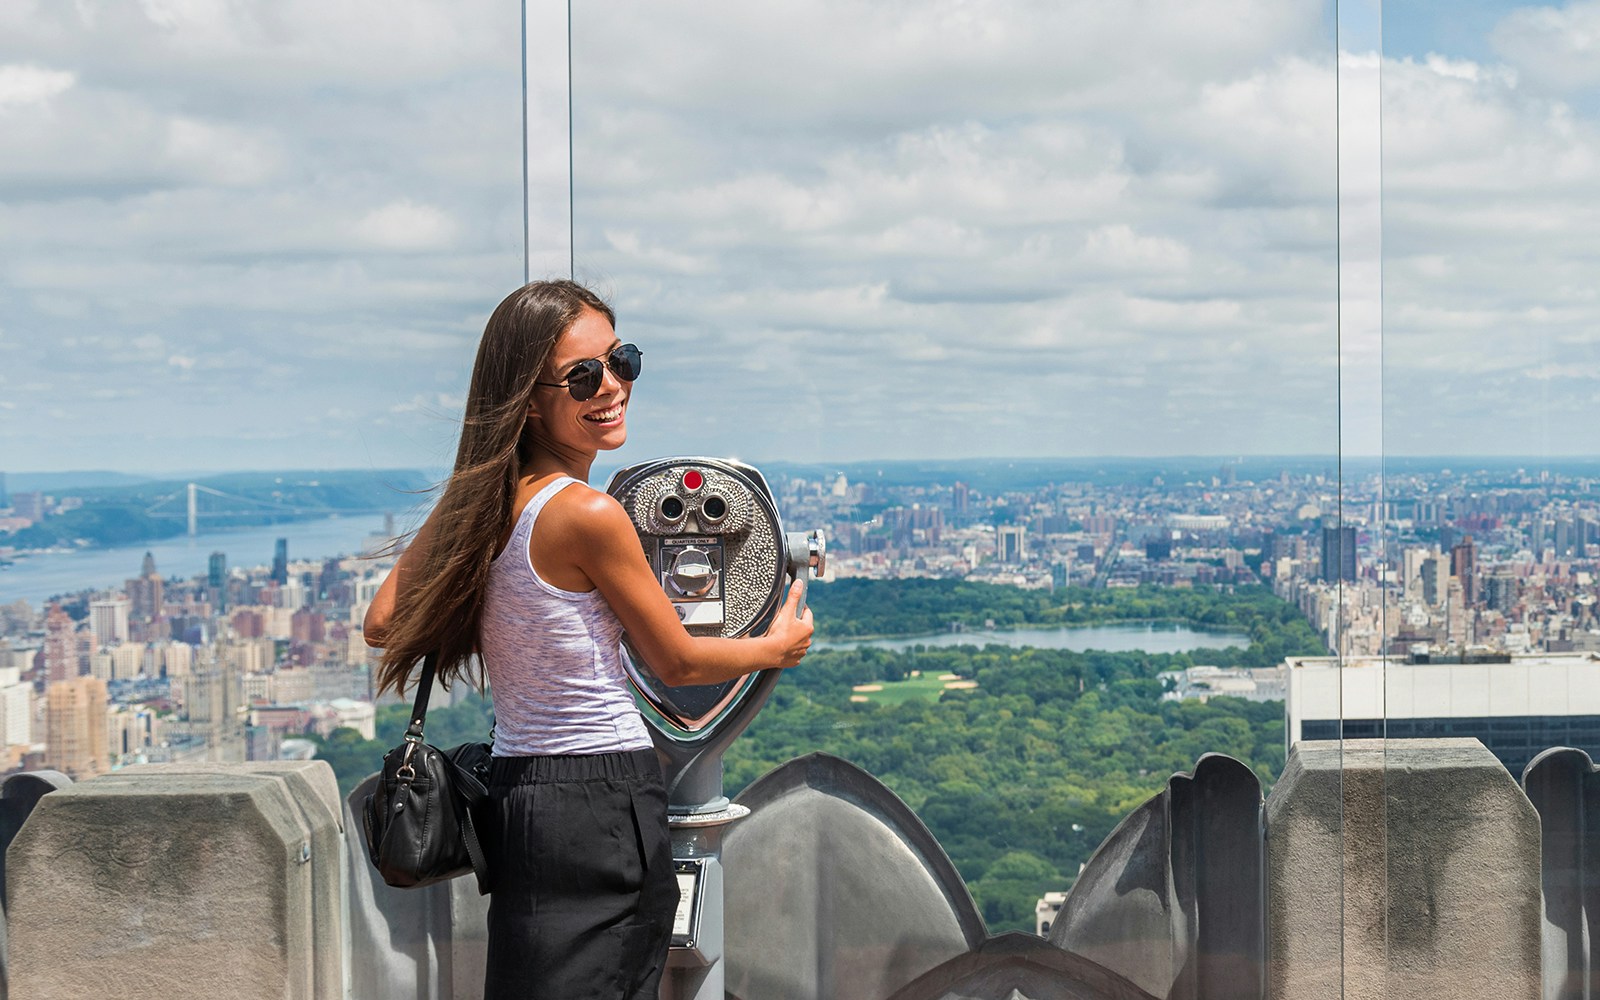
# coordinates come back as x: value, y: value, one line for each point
x: 419, y: 708
x: 480, y: 864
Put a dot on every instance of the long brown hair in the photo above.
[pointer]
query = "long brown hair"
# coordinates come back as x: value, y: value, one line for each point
x: 440, y: 603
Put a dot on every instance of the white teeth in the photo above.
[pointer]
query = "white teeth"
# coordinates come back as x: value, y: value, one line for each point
x: 605, y: 416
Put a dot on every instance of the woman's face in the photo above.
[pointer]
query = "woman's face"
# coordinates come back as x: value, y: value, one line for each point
x: 598, y: 423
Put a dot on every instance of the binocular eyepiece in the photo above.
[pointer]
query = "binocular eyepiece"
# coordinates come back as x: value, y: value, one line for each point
x: 711, y: 531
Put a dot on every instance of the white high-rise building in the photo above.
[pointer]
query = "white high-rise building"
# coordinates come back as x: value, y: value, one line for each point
x: 292, y: 595
x: 16, y: 709
x: 177, y: 659
x: 127, y: 660
x: 109, y: 620
x: 251, y: 656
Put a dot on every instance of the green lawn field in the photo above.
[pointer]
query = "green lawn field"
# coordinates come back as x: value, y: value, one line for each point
x: 918, y: 685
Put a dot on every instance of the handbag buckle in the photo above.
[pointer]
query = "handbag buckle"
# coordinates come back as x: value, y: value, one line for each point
x: 405, y: 772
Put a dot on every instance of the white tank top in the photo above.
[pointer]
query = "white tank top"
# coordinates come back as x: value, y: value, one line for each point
x: 554, y: 658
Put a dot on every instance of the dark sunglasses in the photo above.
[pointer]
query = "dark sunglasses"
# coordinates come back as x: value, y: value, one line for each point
x: 583, y: 380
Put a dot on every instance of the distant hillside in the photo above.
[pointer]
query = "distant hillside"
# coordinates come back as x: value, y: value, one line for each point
x: 67, y: 482
x: 998, y: 475
x: 124, y: 513
x: 334, y: 489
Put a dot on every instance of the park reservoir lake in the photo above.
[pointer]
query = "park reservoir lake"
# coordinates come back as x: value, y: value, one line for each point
x: 1121, y: 637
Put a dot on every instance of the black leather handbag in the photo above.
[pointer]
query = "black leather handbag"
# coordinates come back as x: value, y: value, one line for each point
x: 419, y: 819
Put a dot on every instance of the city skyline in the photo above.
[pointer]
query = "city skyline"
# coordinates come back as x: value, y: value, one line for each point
x: 1002, y: 229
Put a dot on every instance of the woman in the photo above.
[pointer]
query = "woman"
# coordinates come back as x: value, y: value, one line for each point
x: 522, y: 561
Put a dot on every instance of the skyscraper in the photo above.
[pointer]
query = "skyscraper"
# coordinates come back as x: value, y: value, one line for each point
x: 280, y: 562
x: 75, y: 726
x: 1463, y: 557
x: 1338, y: 552
x: 960, y: 498
x: 217, y: 581
x: 145, y: 592
x: 60, y: 646
x: 1435, y: 580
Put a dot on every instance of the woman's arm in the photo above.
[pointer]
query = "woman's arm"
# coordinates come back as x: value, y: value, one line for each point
x: 382, y: 606
x: 608, y: 552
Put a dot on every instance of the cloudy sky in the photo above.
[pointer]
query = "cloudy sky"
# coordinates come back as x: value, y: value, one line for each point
x: 259, y: 234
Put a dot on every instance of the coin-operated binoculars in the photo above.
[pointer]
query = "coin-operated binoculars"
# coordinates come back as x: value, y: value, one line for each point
x: 711, y: 531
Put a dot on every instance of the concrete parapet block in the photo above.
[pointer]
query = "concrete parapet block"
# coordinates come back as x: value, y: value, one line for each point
x: 18, y: 796
x: 1401, y: 868
x: 168, y: 884
x: 314, y: 790
x: 421, y: 944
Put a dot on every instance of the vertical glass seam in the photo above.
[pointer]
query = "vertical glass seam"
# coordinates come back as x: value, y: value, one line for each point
x: 572, y: 206
x: 527, y: 206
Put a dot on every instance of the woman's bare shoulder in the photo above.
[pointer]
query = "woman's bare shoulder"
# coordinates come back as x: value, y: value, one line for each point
x: 582, y: 509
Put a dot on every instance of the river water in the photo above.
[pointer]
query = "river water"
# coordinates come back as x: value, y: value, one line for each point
x: 1148, y: 637
x: 39, y: 576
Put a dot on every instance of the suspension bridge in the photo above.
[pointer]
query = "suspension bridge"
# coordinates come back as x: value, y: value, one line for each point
x: 233, y: 505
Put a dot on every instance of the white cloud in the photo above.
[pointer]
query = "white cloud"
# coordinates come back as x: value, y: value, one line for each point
x: 1119, y: 246
x: 221, y: 155
x: 1124, y: 216
x: 1555, y: 47
x: 1491, y: 220
x: 407, y: 225
x: 431, y: 403
x: 21, y: 85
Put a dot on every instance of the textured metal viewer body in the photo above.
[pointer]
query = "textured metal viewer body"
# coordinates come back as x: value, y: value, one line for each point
x: 711, y: 533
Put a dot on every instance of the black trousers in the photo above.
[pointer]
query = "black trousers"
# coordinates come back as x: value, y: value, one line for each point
x: 584, y: 891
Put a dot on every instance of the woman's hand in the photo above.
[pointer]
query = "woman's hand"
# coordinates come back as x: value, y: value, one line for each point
x: 598, y: 540
x: 789, y: 635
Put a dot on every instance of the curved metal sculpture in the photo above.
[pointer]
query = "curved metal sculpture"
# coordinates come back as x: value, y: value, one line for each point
x: 836, y: 890
x: 1564, y: 786
x: 1175, y: 898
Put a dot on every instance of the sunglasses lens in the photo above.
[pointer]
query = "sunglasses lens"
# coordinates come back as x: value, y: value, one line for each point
x: 627, y: 361
x: 584, y: 379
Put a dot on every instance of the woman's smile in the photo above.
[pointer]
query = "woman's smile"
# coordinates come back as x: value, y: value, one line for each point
x: 609, y: 416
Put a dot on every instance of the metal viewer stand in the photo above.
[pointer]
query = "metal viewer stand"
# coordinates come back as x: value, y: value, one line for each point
x: 711, y: 531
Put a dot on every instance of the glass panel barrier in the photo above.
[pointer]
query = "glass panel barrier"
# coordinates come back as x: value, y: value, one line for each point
x: 1491, y: 175
x: 1034, y: 309
x: 249, y: 249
